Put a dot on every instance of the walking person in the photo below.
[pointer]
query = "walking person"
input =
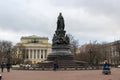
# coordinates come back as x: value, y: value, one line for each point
x: 8, y: 66
x: 2, y: 67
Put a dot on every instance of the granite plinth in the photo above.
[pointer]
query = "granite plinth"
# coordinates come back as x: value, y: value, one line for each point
x: 60, y: 55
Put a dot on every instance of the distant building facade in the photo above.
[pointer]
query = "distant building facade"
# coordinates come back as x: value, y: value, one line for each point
x: 109, y: 51
x: 33, y: 48
x: 115, y: 52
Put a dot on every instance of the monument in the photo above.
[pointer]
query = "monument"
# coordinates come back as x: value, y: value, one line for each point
x: 60, y: 43
x: 61, y: 54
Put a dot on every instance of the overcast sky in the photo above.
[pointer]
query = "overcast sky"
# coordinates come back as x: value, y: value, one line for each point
x: 85, y: 19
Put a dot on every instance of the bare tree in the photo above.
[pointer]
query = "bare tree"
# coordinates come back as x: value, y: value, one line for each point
x: 74, y: 43
x: 5, y: 51
x: 19, y: 50
x: 91, y: 53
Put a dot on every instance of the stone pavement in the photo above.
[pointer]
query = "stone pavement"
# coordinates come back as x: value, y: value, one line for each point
x: 61, y: 75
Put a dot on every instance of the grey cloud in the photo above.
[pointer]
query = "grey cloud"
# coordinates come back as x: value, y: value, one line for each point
x: 95, y: 8
x: 17, y: 16
x: 85, y: 19
x: 110, y: 8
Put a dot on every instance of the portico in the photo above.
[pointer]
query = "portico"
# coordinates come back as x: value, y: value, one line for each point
x: 33, y: 48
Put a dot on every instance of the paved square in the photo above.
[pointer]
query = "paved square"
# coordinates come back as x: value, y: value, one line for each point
x: 61, y: 75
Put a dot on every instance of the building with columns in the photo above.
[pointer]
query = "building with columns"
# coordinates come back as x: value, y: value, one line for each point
x: 33, y: 49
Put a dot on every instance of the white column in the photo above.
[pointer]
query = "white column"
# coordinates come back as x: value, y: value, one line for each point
x: 28, y: 53
x: 39, y: 53
x: 43, y: 54
x: 32, y: 53
x: 36, y: 53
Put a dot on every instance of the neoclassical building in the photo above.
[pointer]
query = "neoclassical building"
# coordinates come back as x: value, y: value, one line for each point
x: 33, y: 48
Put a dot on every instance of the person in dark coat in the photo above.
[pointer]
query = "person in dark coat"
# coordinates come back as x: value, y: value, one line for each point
x: 2, y: 67
x: 8, y: 66
x: 106, y: 68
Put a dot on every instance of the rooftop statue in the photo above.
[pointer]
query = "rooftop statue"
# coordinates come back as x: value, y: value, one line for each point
x: 60, y: 22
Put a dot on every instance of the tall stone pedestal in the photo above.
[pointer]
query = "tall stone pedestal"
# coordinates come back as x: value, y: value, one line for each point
x: 59, y: 56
